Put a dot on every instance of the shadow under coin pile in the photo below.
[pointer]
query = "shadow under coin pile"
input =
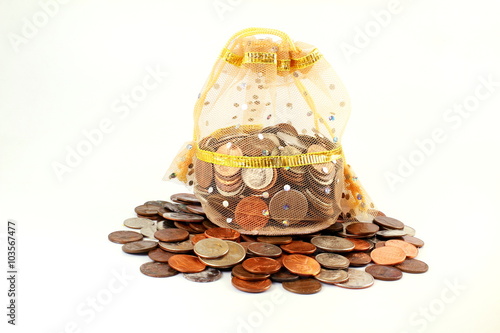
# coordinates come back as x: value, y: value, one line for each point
x: 180, y: 239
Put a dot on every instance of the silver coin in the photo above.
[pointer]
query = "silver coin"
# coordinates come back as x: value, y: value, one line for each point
x: 409, y: 230
x: 357, y: 280
x: 234, y: 256
x: 258, y: 178
x: 142, y: 246
x: 211, y: 248
x: 178, y: 247
x: 165, y: 224
x: 332, y: 243
x: 137, y: 222
x: 208, y: 275
x: 149, y: 231
x: 332, y: 276
x: 391, y: 233
x: 332, y: 261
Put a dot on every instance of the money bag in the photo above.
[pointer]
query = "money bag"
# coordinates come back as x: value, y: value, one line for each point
x: 266, y: 156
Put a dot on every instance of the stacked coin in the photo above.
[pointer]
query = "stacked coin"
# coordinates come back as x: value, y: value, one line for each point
x: 269, y: 200
x: 182, y: 239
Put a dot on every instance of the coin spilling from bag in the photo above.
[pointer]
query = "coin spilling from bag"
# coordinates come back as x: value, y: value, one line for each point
x: 177, y: 238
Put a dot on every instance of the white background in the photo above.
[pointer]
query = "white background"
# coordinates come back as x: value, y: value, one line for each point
x: 65, y: 76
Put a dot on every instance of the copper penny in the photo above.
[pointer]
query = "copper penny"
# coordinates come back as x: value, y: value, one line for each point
x: 410, y: 250
x: 157, y: 269
x: 147, y: 210
x: 284, y: 275
x: 208, y: 275
x: 413, y: 240
x: 303, y: 286
x: 288, y: 205
x: 196, y: 227
x: 203, y: 172
x: 122, y: 237
x: 385, y: 273
x: 388, y: 222
x: 195, y: 209
x: 251, y: 213
x: 413, y: 266
x: 185, y: 263
x: 379, y: 244
x: 185, y: 198
x: 243, y: 274
x: 139, y: 246
x: 360, y: 244
x: 264, y: 249
x: 159, y: 255
x: 358, y: 259
x: 251, y: 286
x: 183, y: 217
x: 198, y: 237
x: 223, y: 233
x: 301, y: 265
x: 299, y: 247
x: 171, y: 235
x: 185, y: 226
x: 388, y: 255
x: 362, y: 229
x: 261, y: 265
x: 276, y: 240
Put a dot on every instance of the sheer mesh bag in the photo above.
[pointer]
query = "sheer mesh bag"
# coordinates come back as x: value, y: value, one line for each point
x: 266, y: 156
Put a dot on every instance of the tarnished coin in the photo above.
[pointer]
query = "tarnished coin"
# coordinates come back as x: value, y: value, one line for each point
x: 391, y: 233
x: 157, y: 269
x: 139, y: 246
x: 195, y: 209
x: 413, y: 266
x: 137, y: 222
x: 185, y: 263
x: 262, y: 265
x: 234, y: 256
x: 410, y: 250
x: 160, y: 255
x: 176, y: 208
x: 223, y: 233
x: 204, y: 173
x: 414, y: 240
x: 358, y: 259
x: 243, y: 274
x: 264, y: 249
x: 276, y: 240
x: 251, y: 213
x: 259, y: 179
x: 177, y: 247
x: 170, y: 235
x: 362, y: 229
x: 208, y: 275
x: 211, y: 248
x: 186, y: 198
x: 379, y: 244
x: 290, y: 205
x: 301, y: 265
x: 332, y: 276
x: 251, y: 286
x: 299, y: 247
x: 159, y: 203
x: 332, y: 244
x: 303, y: 286
x: 185, y: 226
x: 149, y: 231
x: 165, y: 224
x: 388, y: 255
x: 147, y: 210
x: 122, y: 237
x: 357, y: 280
x: 332, y: 260
x: 388, y: 222
x: 385, y: 273
x: 183, y: 217
x: 361, y: 244
x: 284, y: 275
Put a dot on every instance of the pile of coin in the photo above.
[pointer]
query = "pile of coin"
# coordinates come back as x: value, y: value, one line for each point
x: 180, y: 239
x: 269, y: 200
